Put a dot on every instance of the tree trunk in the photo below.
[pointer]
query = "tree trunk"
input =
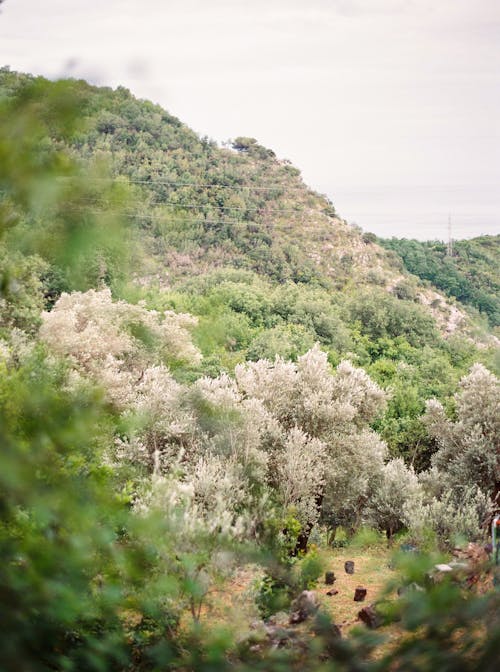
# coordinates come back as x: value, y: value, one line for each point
x: 496, y: 494
x: 156, y: 456
x: 330, y: 535
x: 303, y: 538
x: 302, y: 541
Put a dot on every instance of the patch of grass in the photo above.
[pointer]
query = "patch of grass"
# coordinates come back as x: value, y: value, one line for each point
x: 366, y: 538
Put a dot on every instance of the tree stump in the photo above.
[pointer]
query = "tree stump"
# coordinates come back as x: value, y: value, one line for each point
x: 349, y: 567
x: 370, y: 617
x: 330, y: 578
x: 359, y: 594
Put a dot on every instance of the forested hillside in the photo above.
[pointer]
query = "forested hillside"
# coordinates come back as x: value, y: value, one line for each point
x: 205, y: 368
x: 233, y: 237
x: 199, y: 206
x: 470, y: 274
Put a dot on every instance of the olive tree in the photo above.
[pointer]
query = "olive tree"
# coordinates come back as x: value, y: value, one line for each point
x: 469, y: 447
x: 325, y: 455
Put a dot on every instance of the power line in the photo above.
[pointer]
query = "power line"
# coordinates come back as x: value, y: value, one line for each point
x: 264, y: 210
x: 152, y: 217
x: 198, y: 185
x: 201, y: 206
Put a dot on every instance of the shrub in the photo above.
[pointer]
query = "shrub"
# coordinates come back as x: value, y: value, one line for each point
x: 272, y: 595
x: 365, y: 537
x: 310, y: 569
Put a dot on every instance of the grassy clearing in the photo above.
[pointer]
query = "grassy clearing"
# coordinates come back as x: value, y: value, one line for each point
x: 371, y: 571
x: 232, y: 605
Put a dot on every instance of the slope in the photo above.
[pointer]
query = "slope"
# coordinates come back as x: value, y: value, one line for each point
x: 470, y: 274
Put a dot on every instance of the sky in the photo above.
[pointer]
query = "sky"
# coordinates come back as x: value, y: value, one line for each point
x: 390, y: 107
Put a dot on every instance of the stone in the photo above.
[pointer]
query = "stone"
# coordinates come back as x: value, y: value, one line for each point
x: 370, y: 617
x: 297, y: 617
x: 332, y: 592
x: 278, y: 636
x: 304, y: 606
x: 349, y: 567
x: 443, y: 568
x: 281, y: 618
x: 330, y: 578
x: 360, y: 594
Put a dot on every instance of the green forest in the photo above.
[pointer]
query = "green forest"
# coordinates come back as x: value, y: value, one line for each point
x: 469, y: 273
x: 210, y: 380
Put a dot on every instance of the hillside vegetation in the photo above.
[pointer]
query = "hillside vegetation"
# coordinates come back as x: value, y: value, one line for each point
x: 204, y: 369
x: 471, y: 274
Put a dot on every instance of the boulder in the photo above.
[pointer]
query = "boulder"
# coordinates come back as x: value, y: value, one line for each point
x: 281, y: 618
x: 370, y: 616
x: 304, y: 606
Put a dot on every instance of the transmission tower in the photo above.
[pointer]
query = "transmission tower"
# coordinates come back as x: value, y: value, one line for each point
x: 449, y: 250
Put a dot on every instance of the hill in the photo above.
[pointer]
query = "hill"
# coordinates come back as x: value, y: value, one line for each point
x: 201, y: 206
x: 471, y: 274
x: 230, y: 235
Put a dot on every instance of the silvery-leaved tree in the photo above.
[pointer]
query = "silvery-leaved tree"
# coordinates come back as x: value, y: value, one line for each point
x: 469, y: 446
x: 125, y: 349
x: 397, y: 491
x: 325, y: 455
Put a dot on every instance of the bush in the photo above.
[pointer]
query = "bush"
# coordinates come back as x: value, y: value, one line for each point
x: 288, y: 341
x: 310, y: 569
x: 272, y: 595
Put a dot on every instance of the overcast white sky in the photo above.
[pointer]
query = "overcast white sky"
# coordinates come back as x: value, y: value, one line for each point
x: 391, y: 107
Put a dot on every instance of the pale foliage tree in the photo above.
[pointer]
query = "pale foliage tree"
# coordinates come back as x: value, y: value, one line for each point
x: 218, y: 484
x: 298, y: 430
x: 232, y: 426
x: 307, y: 395
x: 333, y: 409
x: 397, y: 492
x: 469, y: 447
x: 463, y: 483
x: 300, y: 475
x: 198, y: 526
x: 114, y: 342
x: 122, y: 348
x: 164, y: 426
x: 354, y: 474
x: 449, y: 516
